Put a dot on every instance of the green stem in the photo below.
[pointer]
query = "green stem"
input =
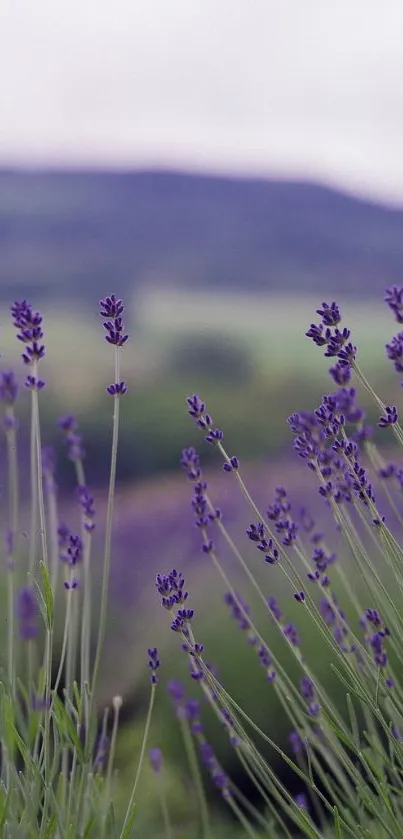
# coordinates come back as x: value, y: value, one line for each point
x: 131, y: 804
x: 65, y: 640
x: 11, y: 438
x: 117, y: 704
x: 108, y: 534
x: 194, y: 767
x: 164, y: 808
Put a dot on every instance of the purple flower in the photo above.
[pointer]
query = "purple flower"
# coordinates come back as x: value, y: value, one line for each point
x: 197, y: 410
x: 181, y: 622
x: 20, y: 312
x: 39, y: 704
x: 373, y: 617
x: 112, y: 309
x: 8, y: 388
x: 390, y: 417
x: 199, y: 504
x: 156, y: 759
x: 327, y: 611
x: 233, y: 463
x: 330, y: 314
x: 296, y: 742
x: 213, y: 767
x: 101, y: 753
x: 176, y: 691
x: 72, y: 583
x: 69, y: 426
x: 340, y: 373
x: 316, y: 332
x: 274, y: 608
x: 153, y: 663
x: 27, y: 613
x: 310, y: 437
x: 394, y: 299
x: 171, y: 588
x: 397, y: 733
x: 336, y: 342
x: 88, y: 507
x: 239, y: 610
x: 291, y: 634
x: 278, y: 512
x: 322, y: 559
x: 32, y: 383
x: 301, y: 801
x: 387, y: 471
x: 375, y: 640
x: 214, y: 436
x: 63, y: 534
x: 327, y: 334
x: 30, y: 333
x: 287, y: 529
x: 191, y: 463
x: 117, y: 389
x: 71, y: 549
x: 256, y: 533
x: 204, y: 516
x: 347, y: 355
x: 394, y: 352
x: 192, y: 710
x: 307, y: 689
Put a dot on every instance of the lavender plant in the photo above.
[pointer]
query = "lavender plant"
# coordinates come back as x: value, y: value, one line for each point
x: 345, y: 758
x: 57, y: 763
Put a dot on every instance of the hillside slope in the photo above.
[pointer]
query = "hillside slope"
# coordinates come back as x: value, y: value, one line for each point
x: 84, y: 233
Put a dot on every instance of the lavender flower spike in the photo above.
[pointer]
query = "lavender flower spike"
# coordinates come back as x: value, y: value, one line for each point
x: 111, y: 308
x: 197, y: 410
x: 88, y: 507
x: 30, y: 333
x: 394, y: 299
x: 156, y: 759
x: 153, y: 663
x: 74, y: 441
x: 27, y: 613
x: 8, y: 388
x: 390, y: 417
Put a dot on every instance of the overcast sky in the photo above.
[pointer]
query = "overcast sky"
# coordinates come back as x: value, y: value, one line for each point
x: 310, y: 88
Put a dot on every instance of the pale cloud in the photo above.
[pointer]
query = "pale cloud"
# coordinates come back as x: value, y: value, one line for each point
x: 309, y: 88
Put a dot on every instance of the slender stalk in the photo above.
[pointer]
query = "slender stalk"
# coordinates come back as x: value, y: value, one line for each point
x: 131, y: 804
x: 117, y: 704
x: 108, y: 533
x: 13, y: 495
x: 195, y: 770
x: 164, y: 809
x: 70, y: 593
x: 85, y: 642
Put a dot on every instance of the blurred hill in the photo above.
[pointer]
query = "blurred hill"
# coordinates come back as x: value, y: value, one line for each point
x: 81, y: 234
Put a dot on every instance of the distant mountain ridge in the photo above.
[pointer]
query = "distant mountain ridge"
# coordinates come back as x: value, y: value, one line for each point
x: 83, y: 234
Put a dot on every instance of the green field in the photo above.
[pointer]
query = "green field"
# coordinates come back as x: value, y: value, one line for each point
x: 270, y: 329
